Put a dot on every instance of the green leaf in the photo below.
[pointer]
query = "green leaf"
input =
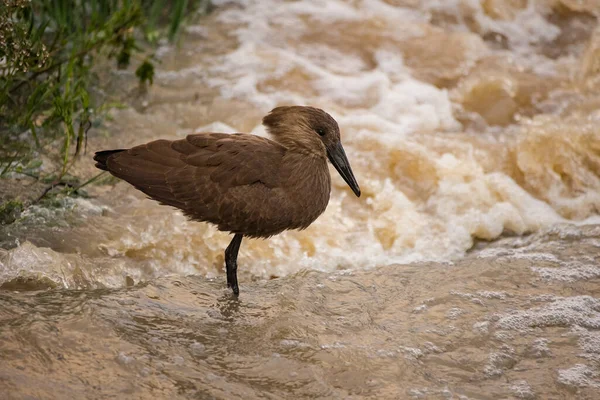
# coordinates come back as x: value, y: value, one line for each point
x: 145, y: 72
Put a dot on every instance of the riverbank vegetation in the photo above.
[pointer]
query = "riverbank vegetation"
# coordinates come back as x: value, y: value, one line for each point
x: 48, y: 83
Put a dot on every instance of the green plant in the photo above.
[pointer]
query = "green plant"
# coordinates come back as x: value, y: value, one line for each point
x: 48, y: 50
x: 10, y: 211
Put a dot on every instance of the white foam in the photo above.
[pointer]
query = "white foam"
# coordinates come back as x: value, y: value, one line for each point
x: 522, y: 390
x: 569, y: 272
x: 567, y: 311
x: 540, y: 347
x: 528, y: 27
x: 580, y: 375
x: 589, y: 342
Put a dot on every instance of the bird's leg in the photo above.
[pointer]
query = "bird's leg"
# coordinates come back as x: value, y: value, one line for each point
x: 231, y: 254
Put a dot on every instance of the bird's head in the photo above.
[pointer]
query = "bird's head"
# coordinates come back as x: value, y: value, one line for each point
x: 311, y: 131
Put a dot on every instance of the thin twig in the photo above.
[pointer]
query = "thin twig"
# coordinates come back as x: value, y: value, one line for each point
x: 91, y: 180
x: 74, y: 189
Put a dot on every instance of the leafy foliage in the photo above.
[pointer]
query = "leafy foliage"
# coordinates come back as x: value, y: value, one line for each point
x: 48, y: 49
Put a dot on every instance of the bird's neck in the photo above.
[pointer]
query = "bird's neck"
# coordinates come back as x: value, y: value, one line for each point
x: 304, y: 166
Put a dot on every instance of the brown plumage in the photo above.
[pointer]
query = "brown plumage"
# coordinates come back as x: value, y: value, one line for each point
x: 245, y: 184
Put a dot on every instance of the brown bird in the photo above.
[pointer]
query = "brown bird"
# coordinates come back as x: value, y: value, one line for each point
x: 244, y: 184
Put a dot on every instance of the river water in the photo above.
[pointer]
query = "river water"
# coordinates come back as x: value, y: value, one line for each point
x: 468, y: 269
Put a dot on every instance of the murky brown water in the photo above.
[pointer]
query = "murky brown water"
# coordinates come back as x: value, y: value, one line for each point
x: 464, y: 121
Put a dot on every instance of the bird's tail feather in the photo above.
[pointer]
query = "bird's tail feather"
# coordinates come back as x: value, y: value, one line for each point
x: 101, y: 157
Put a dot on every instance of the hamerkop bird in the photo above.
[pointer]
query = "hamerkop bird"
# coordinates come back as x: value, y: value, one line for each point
x: 244, y: 184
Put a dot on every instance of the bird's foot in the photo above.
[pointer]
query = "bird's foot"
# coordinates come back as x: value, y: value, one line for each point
x: 234, y: 288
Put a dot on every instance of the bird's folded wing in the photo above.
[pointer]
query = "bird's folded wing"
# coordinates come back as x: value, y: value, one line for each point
x: 195, y: 173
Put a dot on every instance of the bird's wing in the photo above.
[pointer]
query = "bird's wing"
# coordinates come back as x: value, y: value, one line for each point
x: 195, y: 174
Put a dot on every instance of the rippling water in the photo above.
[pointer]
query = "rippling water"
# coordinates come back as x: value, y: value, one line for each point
x: 464, y: 121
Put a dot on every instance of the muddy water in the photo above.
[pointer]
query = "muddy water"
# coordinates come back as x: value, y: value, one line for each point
x: 466, y: 122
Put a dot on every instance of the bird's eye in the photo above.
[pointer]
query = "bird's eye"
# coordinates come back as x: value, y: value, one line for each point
x: 320, y: 131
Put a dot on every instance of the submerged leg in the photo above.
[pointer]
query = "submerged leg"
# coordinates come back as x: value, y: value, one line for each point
x: 231, y: 254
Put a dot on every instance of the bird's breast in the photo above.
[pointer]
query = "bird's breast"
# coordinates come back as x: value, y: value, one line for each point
x: 308, y: 186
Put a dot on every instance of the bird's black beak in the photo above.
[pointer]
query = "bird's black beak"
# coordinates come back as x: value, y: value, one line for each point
x: 338, y: 158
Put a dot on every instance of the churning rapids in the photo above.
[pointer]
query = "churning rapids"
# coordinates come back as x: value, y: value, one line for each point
x: 469, y: 268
